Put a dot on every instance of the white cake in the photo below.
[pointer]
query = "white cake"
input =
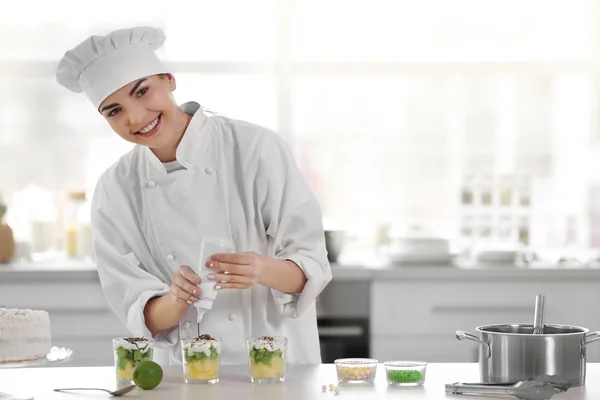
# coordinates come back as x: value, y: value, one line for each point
x: 24, y: 334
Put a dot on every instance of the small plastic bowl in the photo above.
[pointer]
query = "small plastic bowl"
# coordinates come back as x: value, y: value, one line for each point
x: 405, y: 373
x: 356, y: 370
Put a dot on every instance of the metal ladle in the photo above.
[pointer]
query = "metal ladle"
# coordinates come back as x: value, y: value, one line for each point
x: 538, y: 317
x: 542, y: 387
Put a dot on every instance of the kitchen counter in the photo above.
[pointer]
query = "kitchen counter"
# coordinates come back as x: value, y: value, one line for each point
x: 57, y: 271
x: 78, y: 270
x: 445, y: 273
x: 302, y: 382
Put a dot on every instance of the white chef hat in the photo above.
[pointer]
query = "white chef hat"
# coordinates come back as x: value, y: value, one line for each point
x: 100, y: 65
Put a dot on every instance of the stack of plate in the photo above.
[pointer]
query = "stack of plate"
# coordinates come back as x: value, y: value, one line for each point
x: 419, y: 250
x: 497, y: 257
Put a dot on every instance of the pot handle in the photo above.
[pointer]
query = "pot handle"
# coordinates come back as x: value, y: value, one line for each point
x: 592, y: 337
x: 462, y: 335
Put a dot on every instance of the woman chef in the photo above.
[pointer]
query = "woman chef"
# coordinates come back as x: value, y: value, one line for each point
x: 191, y: 176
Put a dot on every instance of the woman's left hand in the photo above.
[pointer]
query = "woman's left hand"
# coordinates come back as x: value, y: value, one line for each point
x: 243, y: 270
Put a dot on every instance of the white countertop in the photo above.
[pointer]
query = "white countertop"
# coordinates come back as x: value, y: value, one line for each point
x: 302, y: 382
x: 73, y: 270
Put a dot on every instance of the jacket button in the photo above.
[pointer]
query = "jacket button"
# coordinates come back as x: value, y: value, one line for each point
x: 209, y: 170
x: 170, y: 257
x: 151, y: 184
x: 231, y: 316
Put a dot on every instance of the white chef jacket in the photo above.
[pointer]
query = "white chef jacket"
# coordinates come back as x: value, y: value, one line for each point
x: 240, y: 182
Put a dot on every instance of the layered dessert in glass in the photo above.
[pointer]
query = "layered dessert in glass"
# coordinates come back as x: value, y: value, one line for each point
x: 129, y: 352
x: 267, y: 359
x: 201, y: 359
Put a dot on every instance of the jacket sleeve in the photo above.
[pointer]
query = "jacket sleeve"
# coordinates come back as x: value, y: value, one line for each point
x: 126, y: 284
x: 293, y: 223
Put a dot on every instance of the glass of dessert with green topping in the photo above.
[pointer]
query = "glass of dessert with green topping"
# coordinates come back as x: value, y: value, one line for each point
x: 129, y: 352
x: 405, y: 373
x: 201, y: 359
x: 267, y: 359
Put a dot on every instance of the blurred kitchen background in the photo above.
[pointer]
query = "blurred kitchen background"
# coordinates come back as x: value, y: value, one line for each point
x: 452, y: 145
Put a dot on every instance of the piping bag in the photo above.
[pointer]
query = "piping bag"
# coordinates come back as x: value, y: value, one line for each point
x: 210, y: 245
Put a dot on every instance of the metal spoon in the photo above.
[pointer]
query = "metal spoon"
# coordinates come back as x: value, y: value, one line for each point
x: 119, y: 392
x: 538, y: 318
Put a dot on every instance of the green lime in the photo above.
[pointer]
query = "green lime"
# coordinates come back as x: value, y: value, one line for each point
x: 147, y: 375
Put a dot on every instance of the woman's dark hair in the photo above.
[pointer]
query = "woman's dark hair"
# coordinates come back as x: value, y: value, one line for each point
x: 162, y: 76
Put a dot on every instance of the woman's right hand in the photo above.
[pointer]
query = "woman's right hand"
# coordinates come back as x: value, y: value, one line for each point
x: 184, y: 285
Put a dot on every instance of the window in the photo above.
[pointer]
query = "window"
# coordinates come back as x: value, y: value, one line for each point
x: 477, y: 120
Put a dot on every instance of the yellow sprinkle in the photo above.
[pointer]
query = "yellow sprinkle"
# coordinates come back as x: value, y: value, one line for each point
x: 331, y: 386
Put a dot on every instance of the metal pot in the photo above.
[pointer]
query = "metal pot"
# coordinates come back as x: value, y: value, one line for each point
x: 511, y: 352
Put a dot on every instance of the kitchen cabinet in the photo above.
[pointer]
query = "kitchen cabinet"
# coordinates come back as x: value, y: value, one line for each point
x: 80, y: 317
x: 416, y: 318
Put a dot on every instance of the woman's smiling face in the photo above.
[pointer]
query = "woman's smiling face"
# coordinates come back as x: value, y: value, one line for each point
x: 144, y: 112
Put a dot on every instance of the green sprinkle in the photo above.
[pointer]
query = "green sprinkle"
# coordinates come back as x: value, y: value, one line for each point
x: 404, y: 376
